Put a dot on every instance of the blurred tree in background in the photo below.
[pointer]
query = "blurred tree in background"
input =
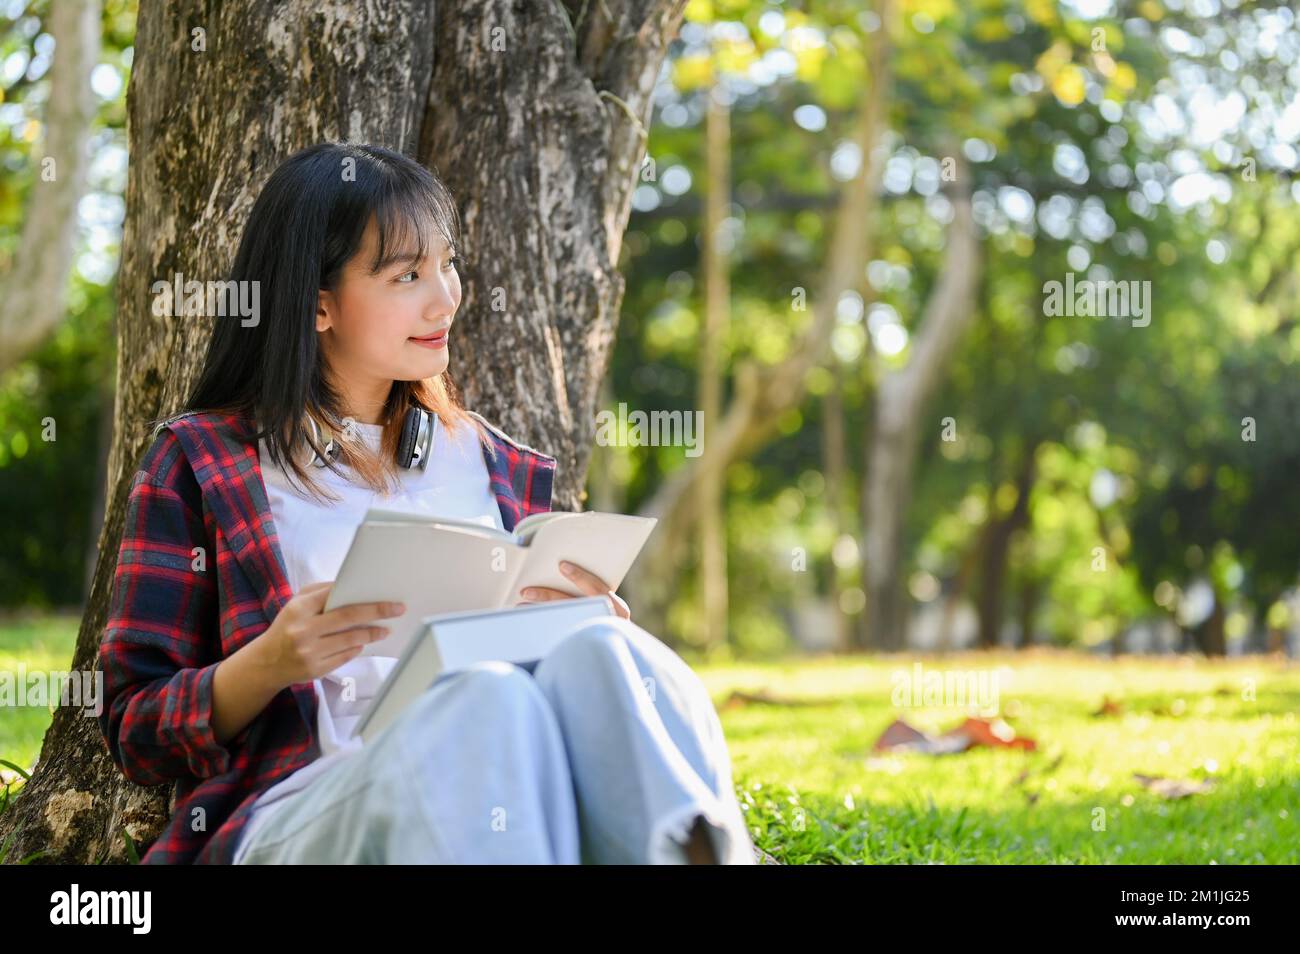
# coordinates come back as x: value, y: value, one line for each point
x: 1099, y: 475
x: 1076, y: 479
x: 60, y: 395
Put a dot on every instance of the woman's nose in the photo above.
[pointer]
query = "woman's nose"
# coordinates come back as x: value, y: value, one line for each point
x: 446, y: 297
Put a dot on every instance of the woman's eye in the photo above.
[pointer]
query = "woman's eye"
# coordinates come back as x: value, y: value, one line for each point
x: 404, y: 274
x: 453, y: 261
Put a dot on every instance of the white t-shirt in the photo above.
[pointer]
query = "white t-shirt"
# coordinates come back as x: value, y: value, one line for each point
x: 314, y: 538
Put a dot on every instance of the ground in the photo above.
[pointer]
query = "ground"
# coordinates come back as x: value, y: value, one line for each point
x: 815, y: 792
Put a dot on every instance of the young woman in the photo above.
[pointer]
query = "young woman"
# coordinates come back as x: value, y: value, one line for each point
x: 224, y: 675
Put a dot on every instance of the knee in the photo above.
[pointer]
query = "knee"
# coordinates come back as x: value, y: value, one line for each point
x: 608, y: 642
x: 496, y: 681
x: 599, y: 636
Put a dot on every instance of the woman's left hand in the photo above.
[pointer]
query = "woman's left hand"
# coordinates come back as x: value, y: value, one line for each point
x: 589, y: 584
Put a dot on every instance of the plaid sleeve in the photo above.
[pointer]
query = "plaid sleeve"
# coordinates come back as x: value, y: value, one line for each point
x: 159, y: 650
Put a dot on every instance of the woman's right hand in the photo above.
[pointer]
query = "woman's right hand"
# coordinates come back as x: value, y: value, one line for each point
x: 303, y: 643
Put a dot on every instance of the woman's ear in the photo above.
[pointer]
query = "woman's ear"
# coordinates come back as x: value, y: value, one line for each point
x: 324, y: 306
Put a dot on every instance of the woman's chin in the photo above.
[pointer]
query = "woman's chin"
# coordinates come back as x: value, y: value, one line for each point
x: 429, y: 368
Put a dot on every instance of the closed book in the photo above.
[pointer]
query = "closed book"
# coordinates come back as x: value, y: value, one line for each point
x: 450, y: 642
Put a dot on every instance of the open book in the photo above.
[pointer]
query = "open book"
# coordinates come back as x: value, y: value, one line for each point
x: 437, y: 565
x: 453, y: 641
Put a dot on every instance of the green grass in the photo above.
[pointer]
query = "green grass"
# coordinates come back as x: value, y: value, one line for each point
x: 814, y: 792
x: 40, y: 643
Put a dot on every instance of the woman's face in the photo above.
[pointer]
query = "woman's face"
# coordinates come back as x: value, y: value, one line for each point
x: 369, y: 323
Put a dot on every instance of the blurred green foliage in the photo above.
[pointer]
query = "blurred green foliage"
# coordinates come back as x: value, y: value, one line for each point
x: 52, y: 404
x: 1086, y: 139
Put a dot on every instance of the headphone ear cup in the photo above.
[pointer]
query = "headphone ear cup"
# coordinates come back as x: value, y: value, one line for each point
x: 410, y: 432
x: 315, y: 430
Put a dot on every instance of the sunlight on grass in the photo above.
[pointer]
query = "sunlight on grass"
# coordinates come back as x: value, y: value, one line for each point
x: 815, y: 792
x: 42, y: 643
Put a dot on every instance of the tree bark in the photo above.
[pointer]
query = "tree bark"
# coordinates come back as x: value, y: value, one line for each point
x: 537, y: 119
x: 263, y: 79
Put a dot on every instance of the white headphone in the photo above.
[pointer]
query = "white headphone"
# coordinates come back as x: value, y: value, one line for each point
x: 414, y: 447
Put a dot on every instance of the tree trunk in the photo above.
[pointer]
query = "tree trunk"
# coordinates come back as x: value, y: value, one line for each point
x: 263, y: 79
x: 900, y: 400
x: 537, y: 119
x: 997, y: 546
x: 1210, y: 634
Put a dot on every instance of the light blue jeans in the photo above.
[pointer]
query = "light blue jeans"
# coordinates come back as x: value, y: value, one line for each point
x: 602, y: 752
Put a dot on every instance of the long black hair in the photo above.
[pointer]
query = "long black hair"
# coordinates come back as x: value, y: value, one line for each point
x: 306, y: 224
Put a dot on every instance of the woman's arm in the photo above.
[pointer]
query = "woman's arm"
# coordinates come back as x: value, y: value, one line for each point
x: 172, y: 706
x: 301, y: 644
x: 241, y: 688
x: 162, y: 635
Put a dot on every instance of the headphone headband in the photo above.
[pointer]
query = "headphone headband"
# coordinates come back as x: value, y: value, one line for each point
x: 414, y: 446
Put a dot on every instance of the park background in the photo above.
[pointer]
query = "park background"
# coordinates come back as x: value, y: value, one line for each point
x: 841, y: 219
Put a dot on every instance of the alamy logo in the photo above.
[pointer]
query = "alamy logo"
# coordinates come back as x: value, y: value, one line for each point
x: 198, y: 299
x: 922, y: 687
x: 656, y: 429
x: 83, y: 688
x: 102, y: 907
x: 1098, y: 299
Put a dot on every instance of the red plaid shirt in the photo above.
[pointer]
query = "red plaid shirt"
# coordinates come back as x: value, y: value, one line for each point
x: 176, y: 612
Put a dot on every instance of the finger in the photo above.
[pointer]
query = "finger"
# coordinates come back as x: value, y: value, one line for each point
x: 371, y: 632
x: 355, y: 614
x: 342, y: 643
x: 585, y: 580
x: 543, y: 594
x: 313, y: 596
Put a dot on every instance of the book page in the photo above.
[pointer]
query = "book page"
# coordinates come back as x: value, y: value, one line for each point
x: 380, y: 515
x: 527, y: 527
x: 605, y: 544
x: 432, y: 569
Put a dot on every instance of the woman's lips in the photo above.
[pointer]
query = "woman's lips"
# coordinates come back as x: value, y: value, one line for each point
x: 436, y: 340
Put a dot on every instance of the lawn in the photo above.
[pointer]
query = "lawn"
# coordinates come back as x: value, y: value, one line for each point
x: 815, y: 792
x: 41, y: 643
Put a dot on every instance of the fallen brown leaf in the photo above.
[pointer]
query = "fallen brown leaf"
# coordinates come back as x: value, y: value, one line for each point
x: 1173, y: 787
x: 971, y: 733
x: 995, y: 732
x: 1108, y: 708
x: 907, y: 738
